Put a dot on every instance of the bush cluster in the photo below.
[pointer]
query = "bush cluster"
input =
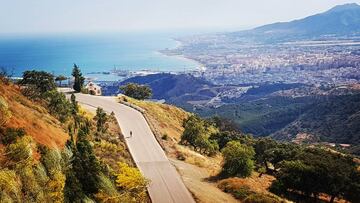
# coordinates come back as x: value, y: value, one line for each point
x: 304, y: 170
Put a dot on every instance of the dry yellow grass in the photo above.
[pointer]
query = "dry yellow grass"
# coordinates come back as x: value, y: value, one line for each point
x: 38, y: 124
x: 254, y: 182
x: 211, y: 164
x: 163, y: 119
x: 166, y: 117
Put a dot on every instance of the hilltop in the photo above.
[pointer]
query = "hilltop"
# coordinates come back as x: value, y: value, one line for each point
x: 338, y: 21
x: 176, y: 88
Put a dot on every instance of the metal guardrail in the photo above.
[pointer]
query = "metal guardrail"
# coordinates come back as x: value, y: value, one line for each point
x: 133, y: 106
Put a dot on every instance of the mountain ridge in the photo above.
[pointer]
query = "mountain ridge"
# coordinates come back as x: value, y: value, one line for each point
x: 339, y: 20
x: 171, y: 87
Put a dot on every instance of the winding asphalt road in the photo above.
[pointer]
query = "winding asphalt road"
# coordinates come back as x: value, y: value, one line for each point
x: 166, y: 184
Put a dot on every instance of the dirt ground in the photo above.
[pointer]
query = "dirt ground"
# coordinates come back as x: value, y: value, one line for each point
x: 195, y: 179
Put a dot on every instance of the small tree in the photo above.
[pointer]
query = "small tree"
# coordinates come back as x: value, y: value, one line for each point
x: 19, y: 151
x: 137, y: 91
x: 58, y: 105
x: 101, y: 118
x: 263, y: 149
x: 60, y: 78
x: 315, y: 171
x: 238, y: 159
x: 193, y: 129
x: 10, y: 135
x: 281, y: 152
x: 74, y: 104
x: 42, y: 81
x: 78, y: 78
x: 223, y: 137
x: 297, y: 176
x: 86, y: 166
x: 197, y: 133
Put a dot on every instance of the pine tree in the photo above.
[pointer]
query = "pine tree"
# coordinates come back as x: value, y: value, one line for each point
x: 101, y: 119
x: 78, y: 78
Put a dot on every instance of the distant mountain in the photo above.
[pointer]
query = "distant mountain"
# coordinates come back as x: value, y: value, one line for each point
x: 338, y: 21
x: 173, y: 87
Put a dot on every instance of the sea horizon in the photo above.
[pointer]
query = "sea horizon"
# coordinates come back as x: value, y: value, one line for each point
x: 92, y: 52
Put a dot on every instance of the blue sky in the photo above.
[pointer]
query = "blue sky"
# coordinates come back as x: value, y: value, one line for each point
x: 55, y: 16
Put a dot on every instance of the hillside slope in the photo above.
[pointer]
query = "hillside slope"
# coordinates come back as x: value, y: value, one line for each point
x: 167, y: 119
x: 284, y: 117
x: 334, y: 120
x: 35, y: 119
x: 166, y: 123
x: 340, y: 20
x: 175, y: 88
x: 40, y: 162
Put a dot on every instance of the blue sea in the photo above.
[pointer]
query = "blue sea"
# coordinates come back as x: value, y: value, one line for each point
x: 92, y: 52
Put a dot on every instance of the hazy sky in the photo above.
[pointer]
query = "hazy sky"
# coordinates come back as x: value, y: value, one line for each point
x: 42, y: 16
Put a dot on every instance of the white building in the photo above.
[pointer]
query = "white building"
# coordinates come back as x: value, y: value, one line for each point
x: 93, y: 89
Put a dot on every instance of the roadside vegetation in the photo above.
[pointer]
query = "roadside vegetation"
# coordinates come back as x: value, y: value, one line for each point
x: 53, y: 151
x: 301, y: 171
x: 78, y: 78
x: 136, y: 91
x: 251, y: 169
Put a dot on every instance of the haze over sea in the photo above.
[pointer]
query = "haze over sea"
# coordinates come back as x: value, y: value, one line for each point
x: 92, y: 52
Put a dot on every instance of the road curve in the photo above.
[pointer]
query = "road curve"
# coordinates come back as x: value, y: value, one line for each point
x: 166, y: 184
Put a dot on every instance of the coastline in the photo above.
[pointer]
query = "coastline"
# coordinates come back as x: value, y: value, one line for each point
x: 145, y: 53
x: 179, y: 44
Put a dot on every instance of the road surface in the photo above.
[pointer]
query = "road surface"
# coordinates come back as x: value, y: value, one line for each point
x: 166, y: 184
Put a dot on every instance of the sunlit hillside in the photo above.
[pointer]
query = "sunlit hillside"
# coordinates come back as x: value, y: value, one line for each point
x: 36, y: 121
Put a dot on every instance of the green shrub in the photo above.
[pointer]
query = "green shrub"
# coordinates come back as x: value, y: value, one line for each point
x: 180, y: 156
x: 33, y: 191
x: 11, y: 134
x: 238, y: 159
x: 78, y: 78
x: 43, y: 81
x: 136, y: 91
x: 58, y: 105
x: 4, y: 111
x: 277, y: 188
x: 20, y: 151
x: 52, y: 161
x: 165, y: 137
x: 197, y: 133
x: 10, y: 186
x: 242, y: 193
x: 261, y: 198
